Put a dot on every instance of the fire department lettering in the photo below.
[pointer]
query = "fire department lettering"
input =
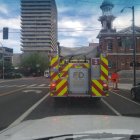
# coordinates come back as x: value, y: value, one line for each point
x: 78, y: 75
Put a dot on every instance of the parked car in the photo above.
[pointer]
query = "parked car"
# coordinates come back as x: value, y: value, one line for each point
x: 135, y: 92
x: 12, y: 75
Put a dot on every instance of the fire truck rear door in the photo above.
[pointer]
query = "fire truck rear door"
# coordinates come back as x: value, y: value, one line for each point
x: 78, y: 80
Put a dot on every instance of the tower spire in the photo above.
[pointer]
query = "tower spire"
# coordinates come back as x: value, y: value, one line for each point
x: 107, y: 17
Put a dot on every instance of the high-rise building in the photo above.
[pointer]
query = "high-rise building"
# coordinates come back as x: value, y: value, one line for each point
x: 38, y: 25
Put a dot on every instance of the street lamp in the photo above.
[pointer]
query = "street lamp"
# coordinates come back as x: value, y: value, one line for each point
x: 2, y: 60
x: 134, y: 43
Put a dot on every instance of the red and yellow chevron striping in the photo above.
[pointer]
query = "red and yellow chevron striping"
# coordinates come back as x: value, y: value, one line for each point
x: 61, y: 88
x: 97, y: 88
x: 104, y: 68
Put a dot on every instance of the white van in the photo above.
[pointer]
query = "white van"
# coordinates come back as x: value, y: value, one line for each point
x: 46, y: 73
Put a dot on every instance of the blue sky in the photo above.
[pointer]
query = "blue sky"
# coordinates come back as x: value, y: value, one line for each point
x: 77, y: 20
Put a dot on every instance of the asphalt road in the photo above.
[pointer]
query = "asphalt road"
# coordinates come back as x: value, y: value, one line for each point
x: 27, y: 99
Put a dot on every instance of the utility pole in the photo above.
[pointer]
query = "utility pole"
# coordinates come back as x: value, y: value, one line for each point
x: 134, y: 43
x: 134, y: 46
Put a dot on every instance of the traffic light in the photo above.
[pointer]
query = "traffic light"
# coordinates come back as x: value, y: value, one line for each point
x: 5, y: 33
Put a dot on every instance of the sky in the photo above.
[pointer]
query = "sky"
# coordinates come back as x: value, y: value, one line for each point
x: 78, y: 23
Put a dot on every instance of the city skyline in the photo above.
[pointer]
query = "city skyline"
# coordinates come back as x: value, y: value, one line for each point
x: 77, y: 20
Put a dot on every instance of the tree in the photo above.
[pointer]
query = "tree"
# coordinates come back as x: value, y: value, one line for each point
x: 35, y: 63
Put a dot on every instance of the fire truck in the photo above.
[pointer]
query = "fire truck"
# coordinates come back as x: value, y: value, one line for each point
x: 72, y: 77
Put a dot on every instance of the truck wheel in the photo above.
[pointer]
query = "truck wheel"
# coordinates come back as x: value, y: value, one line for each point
x: 98, y: 98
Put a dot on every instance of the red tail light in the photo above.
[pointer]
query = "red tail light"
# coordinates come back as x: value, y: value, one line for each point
x: 105, y: 86
x: 53, y: 86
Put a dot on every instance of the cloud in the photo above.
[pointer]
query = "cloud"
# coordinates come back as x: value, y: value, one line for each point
x: 83, y: 30
x: 63, y: 10
x: 4, y: 9
x: 12, y: 23
x: 12, y: 43
x: 71, y: 42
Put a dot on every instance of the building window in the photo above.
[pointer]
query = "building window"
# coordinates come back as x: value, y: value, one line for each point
x: 110, y: 45
x: 127, y: 43
x: 119, y: 40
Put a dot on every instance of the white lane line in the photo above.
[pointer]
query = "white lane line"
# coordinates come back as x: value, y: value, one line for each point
x: 32, y: 85
x: 111, y: 108
x: 126, y: 98
x: 38, y: 87
x: 42, y: 85
x: 20, y: 85
x: 25, y: 114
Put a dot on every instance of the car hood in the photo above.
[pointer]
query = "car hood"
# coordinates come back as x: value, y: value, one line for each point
x: 62, y: 126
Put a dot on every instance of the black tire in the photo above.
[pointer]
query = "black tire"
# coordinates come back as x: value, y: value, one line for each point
x: 98, y: 98
x: 133, y: 94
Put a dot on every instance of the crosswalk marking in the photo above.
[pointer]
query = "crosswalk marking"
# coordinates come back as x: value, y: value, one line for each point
x: 28, y: 86
x: 42, y: 85
x: 32, y: 85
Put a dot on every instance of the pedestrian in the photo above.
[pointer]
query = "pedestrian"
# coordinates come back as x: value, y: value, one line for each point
x: 115, y: 79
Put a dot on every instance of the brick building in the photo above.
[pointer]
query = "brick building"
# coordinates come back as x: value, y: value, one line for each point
x: 117, y: 44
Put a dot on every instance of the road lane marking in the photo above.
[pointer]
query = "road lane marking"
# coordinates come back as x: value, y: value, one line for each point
x: 41, y: 85
x: 25, y: 114
x: 32, y: 85
x: 38, y: 87
x: 21, y: 85
x: 11, y: 92
x: 111, y: 108
x: 126, y: 98
x: 36, y: 91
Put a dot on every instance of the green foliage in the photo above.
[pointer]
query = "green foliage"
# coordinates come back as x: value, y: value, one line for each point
x: 7, y: 66
x: 35, y: 63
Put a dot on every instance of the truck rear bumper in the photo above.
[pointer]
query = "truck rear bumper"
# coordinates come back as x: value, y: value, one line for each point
x: 78, y: 95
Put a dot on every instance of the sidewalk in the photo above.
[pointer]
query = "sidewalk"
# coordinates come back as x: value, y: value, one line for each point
x: 123, y: 86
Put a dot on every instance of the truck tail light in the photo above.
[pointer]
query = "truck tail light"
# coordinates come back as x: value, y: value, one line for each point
x: 53, y: 86
x: 105, y: 86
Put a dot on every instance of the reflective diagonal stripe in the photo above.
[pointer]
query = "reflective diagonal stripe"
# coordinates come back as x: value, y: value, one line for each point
x: 97, y: 88
x: 54, y: 76
x: 104, y: 70
x: 98, y: 84
x: 54, y: 62
x: 94, y: 90
x: 60, y: 83
x: 64, y: 91
x: 104, y: 76
x: 65, y: 68
x: 61, y: 88
x: 104, y: 60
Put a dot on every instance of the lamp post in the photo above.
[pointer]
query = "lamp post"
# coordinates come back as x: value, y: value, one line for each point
x: 134, y: 43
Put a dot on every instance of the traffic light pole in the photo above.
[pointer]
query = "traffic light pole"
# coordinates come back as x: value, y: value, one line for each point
x: 2, y: 60
x: 134, y: 47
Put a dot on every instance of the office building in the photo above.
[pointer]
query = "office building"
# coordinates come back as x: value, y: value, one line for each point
x: 38, y: 26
